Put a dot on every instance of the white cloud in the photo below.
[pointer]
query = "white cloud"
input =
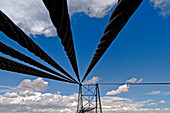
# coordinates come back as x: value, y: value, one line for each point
x: 38, y: 102
x: 162, y: 102
x: 58, y: 92
x: 92, y: 8
x: 10, y: 95
x: 4, y: 90
x: 165, y: 93
x: 6, y: 87
x: 29, y: 95
x: 30, y: 15
x: 134, y: 80
x: 146, y: 101
x: 154, y: 92
x: 125, y: 105
x: 163, y: 5
x: 156, y: 110
x: 31, y: 88
x: 38, y: 85
x: 33, y: 18
x: 152, y: 104
x: 123, y: 88
x: 92, y: 81
x: 139, y: 81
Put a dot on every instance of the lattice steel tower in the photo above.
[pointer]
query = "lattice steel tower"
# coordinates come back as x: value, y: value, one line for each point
x: 89, y: 99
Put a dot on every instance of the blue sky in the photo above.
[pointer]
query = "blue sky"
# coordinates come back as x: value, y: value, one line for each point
x: 141, y: 51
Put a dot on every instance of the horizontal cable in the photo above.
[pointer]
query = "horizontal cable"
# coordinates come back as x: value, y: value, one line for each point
x: 16, y: 54
x: 9, y: 65
x: 16, y: 34
x: 134, y: 83
x: 118, y: 19
x: 151, y: 83
x: 59, y: 15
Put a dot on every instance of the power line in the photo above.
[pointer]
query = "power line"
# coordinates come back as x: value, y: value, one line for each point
x: 60, y: 18
x: 16, y: 54
x: 118, y: 19
x: 16, y: 34
x: 9, y: 65
x: 150, y: 83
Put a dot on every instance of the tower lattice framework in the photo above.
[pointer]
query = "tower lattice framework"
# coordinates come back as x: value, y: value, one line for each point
x: 89, y: 99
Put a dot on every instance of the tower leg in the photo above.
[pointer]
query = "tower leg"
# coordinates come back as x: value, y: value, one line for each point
x: 100, y: 104
x: 80, y: 100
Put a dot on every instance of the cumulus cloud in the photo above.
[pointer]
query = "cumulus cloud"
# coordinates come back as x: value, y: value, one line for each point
x: 29, y: 94
x: 30, y: 88
x: 92, y: 8
x: 134, y: 80
x: 140, y: 80
x: 156, y: 110
x: 6, y: 89
x: 162, y: 102
x: 146, y: 101
x: 165, y: 93
x: 92, y: 81
x: 58, y: 92
x: 38, y: 102
x: 10, y: 95
x: 154, y: 92
x: 163, y: 5
x: 152, y: 104
x: 38, y: 85
x: 123, y: 88
x: 33, y: 18
x: 126, y: 105
x: 30, y: 15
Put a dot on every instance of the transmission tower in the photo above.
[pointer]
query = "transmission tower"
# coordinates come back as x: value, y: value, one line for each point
x: 89, y: 99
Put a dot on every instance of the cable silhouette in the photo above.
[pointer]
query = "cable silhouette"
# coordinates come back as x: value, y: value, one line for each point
x: 16, y: 54
x: 118, y: 19
x: 16, y: 34
x: 59, y: 15
x: 149, y: 83
x: 9, y: 65
x: 60, y: 18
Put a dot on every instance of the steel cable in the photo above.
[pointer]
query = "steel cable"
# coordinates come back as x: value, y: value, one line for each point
x: 16, y: 34
x: 158, y: 83
x: 9, y: 65
x: 150, y: 83
x: 59, y: 15
x: 119, y: 17
x: 16, y: 54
